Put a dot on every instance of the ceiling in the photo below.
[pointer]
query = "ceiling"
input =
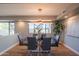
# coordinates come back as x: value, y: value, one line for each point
x: 53, y: 9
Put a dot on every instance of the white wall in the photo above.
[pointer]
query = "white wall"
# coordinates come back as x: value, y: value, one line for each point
x: 7, y: 41
x: 21, y: 27
x: 72, y: 32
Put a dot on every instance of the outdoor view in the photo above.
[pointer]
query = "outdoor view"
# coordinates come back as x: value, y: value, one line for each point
x: 42, y: 28
x: 6, y: 28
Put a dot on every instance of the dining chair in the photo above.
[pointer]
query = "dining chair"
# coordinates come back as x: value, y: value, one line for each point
x: 22, y: 40
x: 46, y: 44
x: 32, y: 44
x: 55, y: 41
x: 42, y: 36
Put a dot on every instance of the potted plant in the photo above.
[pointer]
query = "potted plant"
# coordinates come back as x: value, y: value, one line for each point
x: 58, y: 27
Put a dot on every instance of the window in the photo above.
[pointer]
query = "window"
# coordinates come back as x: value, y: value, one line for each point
x: 12, y: 28
x: 31, y: 28
x: 6, y: 28
x: 42, y: 28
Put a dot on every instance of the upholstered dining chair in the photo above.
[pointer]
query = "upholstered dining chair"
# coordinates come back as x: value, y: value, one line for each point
x: 32, y: 45
x: 46, y: 44
x: 55, y: 41
x: 22, y: 40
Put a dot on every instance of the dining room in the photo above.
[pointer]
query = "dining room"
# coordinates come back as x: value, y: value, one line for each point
x: 34, y: 29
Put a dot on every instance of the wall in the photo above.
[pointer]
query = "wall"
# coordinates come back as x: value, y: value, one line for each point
x: 7, y: 41
x: 21, y: 27
x: 71, y: 38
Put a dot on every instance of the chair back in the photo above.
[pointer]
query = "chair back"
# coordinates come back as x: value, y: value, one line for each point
x: 56, y: 39
x: 20, y: 41
x: 32, y: 44
x: 43, y: 36
x: 46, y: 44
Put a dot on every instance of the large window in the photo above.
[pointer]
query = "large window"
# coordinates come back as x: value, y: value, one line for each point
x: 42, y: 28
x: 12, y: 28
x: 6, y: 28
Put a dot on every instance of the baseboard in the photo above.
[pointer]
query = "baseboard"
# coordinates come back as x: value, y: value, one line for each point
x: 8, y: 48
x: 71, y: 49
